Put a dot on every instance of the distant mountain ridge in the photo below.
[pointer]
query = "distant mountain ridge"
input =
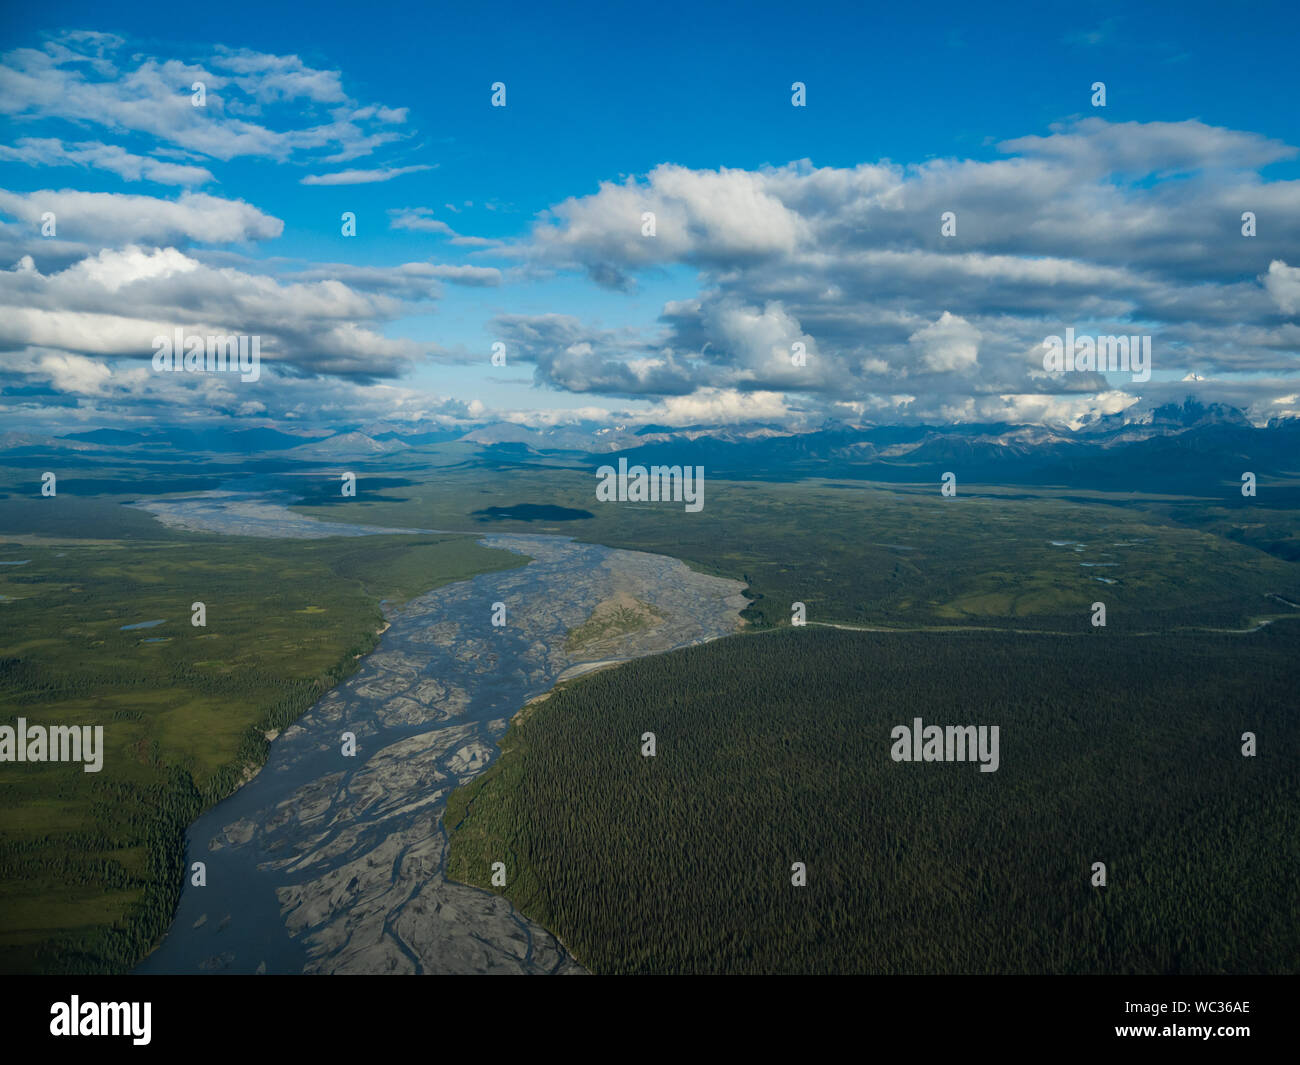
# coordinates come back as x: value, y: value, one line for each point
x: 1176, y: 447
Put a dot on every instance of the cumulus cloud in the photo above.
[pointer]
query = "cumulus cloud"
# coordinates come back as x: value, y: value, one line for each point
x: 96, y: 79
x: 73, y: 373
x: 1112, y: 228
x: 118, y: 218
x: 720, y: 406
x: 571, y: 356
x: 699, y: 216
x: 90, y: 392
x: 1283, y: 284
x: 1140, y: 148
x: 951, y: 343
x: 115, y: 303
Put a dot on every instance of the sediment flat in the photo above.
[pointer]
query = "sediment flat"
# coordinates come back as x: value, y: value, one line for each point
x: 324, y: 863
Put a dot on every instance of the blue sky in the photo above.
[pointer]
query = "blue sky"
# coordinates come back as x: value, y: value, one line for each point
x: 939, y: 99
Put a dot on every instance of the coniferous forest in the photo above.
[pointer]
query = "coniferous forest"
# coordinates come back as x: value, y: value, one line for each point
x: 774, y: 748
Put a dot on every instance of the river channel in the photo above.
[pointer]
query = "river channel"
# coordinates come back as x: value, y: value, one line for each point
x: 326, y: 863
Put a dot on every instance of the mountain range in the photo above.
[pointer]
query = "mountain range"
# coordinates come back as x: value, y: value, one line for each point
x: 1177, y: 448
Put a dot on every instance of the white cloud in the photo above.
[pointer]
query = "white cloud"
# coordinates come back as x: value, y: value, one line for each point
x: 115, y: 303
x: 362, y: 177
x: 949, y: 344
x: 117, y: 218
x: 1139, y: 148
x: 699, y: 215
x: 418, y: 219
x: 1082, y: 227
x: 50, y: 151
x: 1283, y: 284
x: 73, y: 373
x: 720, y: 406
x: 94, y: 80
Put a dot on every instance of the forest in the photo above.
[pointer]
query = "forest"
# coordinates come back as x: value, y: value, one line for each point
x: 773, y: 748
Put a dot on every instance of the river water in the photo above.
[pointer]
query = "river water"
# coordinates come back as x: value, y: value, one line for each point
x: 326, y: 863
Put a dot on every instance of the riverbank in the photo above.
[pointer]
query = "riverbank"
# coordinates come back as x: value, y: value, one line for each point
x: 333, y: 862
